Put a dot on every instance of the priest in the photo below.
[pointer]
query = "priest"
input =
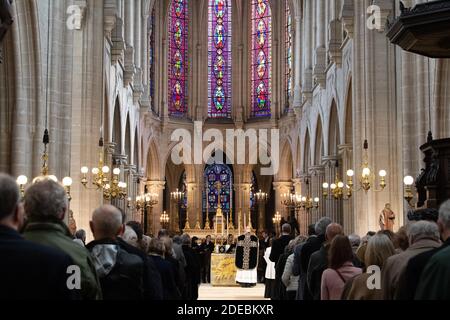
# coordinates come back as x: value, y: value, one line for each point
x: 247, y: 259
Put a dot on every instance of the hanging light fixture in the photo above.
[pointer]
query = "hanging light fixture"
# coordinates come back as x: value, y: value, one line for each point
x: 22, y: 180
x: 102, y: 177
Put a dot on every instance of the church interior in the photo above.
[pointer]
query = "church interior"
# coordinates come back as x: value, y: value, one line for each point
x: 348, y: 100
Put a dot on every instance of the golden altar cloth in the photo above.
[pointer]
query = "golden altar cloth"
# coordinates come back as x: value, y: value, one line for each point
x: 223, y: 270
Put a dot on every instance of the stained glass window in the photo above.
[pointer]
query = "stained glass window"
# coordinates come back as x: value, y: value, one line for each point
x: 261, y: 58
x: 219, y: 59
x: 151, y: 57
x: 289, y: 48
x: 178, y: 57
x: 218, y: 173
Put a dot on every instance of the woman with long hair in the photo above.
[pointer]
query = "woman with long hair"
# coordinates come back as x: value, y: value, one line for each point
x: 340, y: 269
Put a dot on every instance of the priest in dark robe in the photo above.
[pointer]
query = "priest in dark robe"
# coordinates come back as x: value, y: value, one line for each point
x: 247, y: 259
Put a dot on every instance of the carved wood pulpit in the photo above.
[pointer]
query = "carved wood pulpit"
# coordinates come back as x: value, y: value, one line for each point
x: 433, y: 184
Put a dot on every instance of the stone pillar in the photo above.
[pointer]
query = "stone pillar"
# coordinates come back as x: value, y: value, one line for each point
x: 307, y: 45
x: 130, y: 180
x: 155, y: 212
x: 304, y: 219
x: 298, y: 62
x: 320, y: 63
x: 317, y: 174
x: 333, y: 171
x: 281, y: 187
x: 346, y: 155
x: 242, y: 202
x: 120, y: 161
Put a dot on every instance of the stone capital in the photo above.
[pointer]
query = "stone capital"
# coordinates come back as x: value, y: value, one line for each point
x: 317, y: 170
x: 155, y: 185
x: 120, y: 159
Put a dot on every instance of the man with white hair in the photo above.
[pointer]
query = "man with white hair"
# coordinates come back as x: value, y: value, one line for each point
x: 46, y: 205
x: 423, y: 236
x: 120, y: 272
x: 434, y: 282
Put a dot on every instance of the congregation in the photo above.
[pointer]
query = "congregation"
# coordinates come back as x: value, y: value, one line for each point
x: 122, y: 263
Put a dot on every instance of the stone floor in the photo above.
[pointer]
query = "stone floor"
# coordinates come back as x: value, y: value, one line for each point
x: 207, y: 292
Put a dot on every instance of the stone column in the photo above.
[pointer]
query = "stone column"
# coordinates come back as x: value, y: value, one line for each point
x: 155, y: 212
x: 281, y: 187
x: 129, y: 179
x: 120, y: 161
x: 320, y: 58
x: 346, y: 154
x: 333, y: 171
x: 317, y: 174
x: 242, y: 202
x: 305, y: 219
x: 298, y: 62
x: 307, y: 45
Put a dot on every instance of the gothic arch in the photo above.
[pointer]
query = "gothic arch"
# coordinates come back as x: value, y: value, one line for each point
x: 153, y: 162
x: 116, y: 135
x: 333, y: 131
x: 319, y: 143
x: 307, y: 152
x: 128, y: 140
x: 348, y: 116
x: 285, y: 172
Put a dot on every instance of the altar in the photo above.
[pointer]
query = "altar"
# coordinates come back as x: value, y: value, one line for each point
x: 223, y: 270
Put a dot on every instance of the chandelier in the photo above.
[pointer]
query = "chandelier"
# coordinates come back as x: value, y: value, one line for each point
x: 366, y: 180
x: 66, y: 182
x: 104, y: 179
x: 164, y: 220
x: 298, y: 201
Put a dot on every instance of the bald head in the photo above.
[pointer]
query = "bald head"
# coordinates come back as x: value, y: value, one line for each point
x: 333, y: 230
x: 106, y: 222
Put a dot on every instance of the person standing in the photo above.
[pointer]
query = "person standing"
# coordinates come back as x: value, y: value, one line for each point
x: 423, y: 236
x: 247, y: 259
x: 28, y: 270
x: 312, y: 245
x: 207, y: 248
x: 387, y: 218
x: 192, y: 270
x: 270, y: 273
x: 340, y: 269
x: 120, y: 273
x: 281, y: 243
x: 46, y: 205
x: 434, y: 281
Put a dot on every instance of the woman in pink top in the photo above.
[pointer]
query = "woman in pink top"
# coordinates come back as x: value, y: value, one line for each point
x: 341, y: 269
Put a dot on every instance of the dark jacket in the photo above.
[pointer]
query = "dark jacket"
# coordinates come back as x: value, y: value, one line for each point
x: 152, y: 279
x: 409, y: 280
x: 280, y: 288
x: 57, y: 235
x: 434, y: 283
x: 167, y: 273
x: 318, y: 263
x: 312, y: 245
x: 32, y: 272
x: 120, y: 272
x: 192, y: 271
x: 179, y: 275
x: 278, y: 247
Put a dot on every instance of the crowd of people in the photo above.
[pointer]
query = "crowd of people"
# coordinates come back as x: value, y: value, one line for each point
x: 42, y: 259
x: 412, y: 264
